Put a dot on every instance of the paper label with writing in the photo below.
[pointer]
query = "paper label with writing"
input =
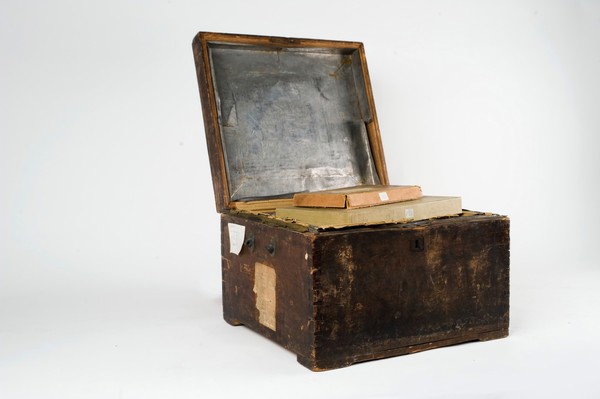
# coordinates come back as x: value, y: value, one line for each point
x: 236, y: 237
x: 409, y: 213
x: 384, y: 196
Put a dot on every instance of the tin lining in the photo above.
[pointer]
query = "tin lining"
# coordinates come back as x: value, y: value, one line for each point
x: 291, y: 119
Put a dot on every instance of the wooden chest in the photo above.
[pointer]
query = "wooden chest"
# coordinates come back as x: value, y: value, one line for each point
x: 289, y: 115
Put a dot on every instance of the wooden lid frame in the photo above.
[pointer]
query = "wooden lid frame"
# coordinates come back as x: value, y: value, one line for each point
x: 216, y: 126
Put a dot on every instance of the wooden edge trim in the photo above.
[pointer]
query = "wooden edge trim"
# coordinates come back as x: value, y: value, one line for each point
x: 211, y: 123
x: 274, y: 41
x: 373, y: 126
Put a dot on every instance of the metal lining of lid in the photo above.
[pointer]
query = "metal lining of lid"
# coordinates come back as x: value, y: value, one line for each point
x: 291, y: 120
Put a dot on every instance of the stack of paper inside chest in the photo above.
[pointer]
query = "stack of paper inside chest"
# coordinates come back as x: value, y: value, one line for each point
x: 366, y: 205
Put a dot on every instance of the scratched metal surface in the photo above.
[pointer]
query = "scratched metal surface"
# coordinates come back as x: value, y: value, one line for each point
x: 291, y: 120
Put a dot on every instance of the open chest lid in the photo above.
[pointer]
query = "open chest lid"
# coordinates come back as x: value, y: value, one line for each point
x: 285, y: 115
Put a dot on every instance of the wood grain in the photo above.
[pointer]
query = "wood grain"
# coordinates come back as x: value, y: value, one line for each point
x: 360, y: 294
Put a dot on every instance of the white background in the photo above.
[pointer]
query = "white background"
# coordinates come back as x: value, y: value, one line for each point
x: 109, y: 238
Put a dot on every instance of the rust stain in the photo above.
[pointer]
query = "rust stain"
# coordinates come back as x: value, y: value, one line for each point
x: 346, y: 61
